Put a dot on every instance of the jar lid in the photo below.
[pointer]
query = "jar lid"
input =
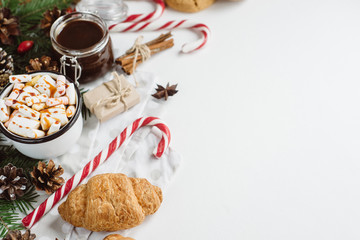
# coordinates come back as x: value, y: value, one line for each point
x: 109, y: 10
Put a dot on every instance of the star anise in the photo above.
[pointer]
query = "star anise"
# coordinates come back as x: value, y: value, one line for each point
x: 9, y: 26
x: 162, y: 92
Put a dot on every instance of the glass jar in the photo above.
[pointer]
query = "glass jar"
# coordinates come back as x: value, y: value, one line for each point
x: 81, y: 42
x: 112, y: 11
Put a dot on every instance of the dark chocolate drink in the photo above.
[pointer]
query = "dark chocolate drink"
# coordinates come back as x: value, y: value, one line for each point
x: 83, y: 36
x: 80, y: 34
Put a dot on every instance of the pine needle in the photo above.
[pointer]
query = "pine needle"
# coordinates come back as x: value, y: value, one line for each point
x: 9, y: 219
x: 10, y: 155
x: 24, y: 204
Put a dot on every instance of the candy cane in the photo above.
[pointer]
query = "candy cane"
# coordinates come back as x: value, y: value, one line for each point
x: 159, y: 10
x: 75, y: 180
x: 170, y: 25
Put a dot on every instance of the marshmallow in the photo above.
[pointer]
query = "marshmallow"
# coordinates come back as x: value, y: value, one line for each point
x: 57, y: 112
x: 55, y: 109
x: 27, y: 91
x: 46, y: 121
x: 23, y: 121
x: 70, y: 111
x: 25, y: 131
x: 20, y: 78
x: 54, y: 128
x: 60, y: 86
x: 4, y: 111
x: 38, y: 133
x: 21, y: 98
x: 14, y: 93
x: 31, y: 100
x: 28, y: 112
x: 32, y: 91
x: 46, y: 85
x: 38, y: 106
x: 36, y: 99
x: 6, y: 124
x: 41, y: 102
x: 57, y: 101
x: 71, y: 94
x: 33, y: 81
x: 16, y: 105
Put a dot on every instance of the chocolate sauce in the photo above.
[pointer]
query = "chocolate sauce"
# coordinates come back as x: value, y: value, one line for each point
x: 80, y: 34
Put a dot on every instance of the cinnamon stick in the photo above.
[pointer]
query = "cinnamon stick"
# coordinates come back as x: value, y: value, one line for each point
x: 159, y: 44
x: 154, y: 49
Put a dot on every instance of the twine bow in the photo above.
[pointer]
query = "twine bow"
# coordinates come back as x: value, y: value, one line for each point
x: 118, y: 94
x: 139, y: 48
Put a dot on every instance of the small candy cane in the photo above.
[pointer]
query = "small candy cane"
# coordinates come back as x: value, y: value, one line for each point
x: 159, y: 10
x: 75, y: 180
x: 170, y: 25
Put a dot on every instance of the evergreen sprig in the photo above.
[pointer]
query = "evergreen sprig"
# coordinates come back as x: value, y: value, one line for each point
x: 9, y: 220
x: 9, y: 216
x: 10, y: 155
x: 10, y: 210
x: 30, y: 13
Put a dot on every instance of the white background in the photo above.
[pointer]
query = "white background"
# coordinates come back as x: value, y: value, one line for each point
x: 267, y: 119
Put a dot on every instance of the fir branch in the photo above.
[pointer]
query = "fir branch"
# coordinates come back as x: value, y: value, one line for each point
x: 42, y: 46
x: 10, y: 211
x: 10, y: 155
x: 9, y: 219
x: 30, y: 13
x: 24, y: 203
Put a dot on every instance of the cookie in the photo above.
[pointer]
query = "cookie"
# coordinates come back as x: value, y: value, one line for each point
x: 117, y: 237
x: 190, y: 6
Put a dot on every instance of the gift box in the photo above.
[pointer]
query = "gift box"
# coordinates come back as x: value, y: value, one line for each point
x: 111, y: 98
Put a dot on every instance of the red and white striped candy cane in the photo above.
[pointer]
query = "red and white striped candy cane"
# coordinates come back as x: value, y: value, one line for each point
x: 75, y: 180
x: 170, y: 25
x: 158, y: 12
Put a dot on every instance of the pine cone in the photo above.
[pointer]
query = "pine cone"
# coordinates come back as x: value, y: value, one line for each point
x: 9, y: 26
x: 47, y: 178
x: 44, y: 63
x: 12, y: 182
x: 16, y: 235
x: 50, y: 17
x: 6, y: 67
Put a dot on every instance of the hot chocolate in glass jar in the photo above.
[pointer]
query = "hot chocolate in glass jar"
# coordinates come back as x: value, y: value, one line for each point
x: 82, y: 43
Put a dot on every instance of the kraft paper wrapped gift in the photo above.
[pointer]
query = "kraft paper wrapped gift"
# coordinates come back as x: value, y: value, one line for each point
x: 111, y: 98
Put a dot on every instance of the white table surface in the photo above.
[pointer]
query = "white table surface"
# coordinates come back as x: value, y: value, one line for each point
x: 267, y: 119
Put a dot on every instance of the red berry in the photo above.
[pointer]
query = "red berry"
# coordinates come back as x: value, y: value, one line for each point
x: 70, y: 10
x: 25, y: 46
